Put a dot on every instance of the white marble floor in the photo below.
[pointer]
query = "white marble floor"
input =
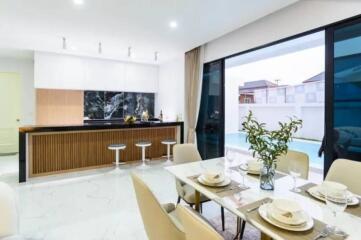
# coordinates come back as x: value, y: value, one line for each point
x: 91, y: 205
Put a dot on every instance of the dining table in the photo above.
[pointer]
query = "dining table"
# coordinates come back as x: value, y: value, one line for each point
x: 244, y: 202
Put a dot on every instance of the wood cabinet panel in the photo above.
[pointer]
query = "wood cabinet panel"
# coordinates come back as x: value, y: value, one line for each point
x: 52, y: 153
x: 59, y: 107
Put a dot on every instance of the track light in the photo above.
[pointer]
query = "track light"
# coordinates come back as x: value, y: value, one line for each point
x: 100, y: 50
x: 129, y: 52
x: 64, y: 43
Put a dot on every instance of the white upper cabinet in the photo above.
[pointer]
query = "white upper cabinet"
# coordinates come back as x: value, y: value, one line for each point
x: 145, y: 78
x: 56, y: 71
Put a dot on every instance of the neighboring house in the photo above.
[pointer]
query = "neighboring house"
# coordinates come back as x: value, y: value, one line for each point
x: 265, y: 92
x: 246, y: 92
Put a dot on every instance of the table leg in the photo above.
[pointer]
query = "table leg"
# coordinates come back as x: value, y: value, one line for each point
x: 265, y: 237
x: 197, y: 199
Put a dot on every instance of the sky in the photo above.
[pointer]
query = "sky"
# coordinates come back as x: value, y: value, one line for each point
x: 289, y: 69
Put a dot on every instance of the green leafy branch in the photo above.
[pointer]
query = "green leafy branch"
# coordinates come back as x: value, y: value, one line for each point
x: 268, y: 145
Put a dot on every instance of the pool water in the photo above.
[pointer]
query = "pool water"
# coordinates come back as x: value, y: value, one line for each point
x: 238, y: 140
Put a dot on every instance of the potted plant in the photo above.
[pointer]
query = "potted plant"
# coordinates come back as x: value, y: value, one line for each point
x: 267, y: 145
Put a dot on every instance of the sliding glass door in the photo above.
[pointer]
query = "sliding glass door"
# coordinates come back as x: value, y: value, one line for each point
x: 210, y: 126
x: 343, y: 92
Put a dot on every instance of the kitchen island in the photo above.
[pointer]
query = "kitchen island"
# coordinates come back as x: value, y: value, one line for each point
x: 46, y: 150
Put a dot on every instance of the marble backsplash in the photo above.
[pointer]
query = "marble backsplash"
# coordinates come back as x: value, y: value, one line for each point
x: 116, y: 105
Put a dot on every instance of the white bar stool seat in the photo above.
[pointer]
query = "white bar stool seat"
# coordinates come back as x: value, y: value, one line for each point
x: 168, y: 142
x: 143, y: 144
x: 117, y: 148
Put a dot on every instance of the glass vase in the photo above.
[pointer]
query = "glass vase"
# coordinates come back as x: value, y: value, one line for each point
x: 267, y: 177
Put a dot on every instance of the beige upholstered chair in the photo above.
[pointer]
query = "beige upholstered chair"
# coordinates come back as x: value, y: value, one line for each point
x: 195, y: 226
x: 160, y: 222
x: 299, y: 158
x: 347, y: 172
x: 8, y: 212
x: 185, y: 153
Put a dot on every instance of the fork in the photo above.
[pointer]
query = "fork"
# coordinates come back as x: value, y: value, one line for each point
x: 255, y: 208
x: 323, y: 234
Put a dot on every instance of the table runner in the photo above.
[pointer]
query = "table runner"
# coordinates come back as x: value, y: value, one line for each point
x: 306, y: 235
x: 278, y: 175
x: 354, y: 210
x: 230, y: 189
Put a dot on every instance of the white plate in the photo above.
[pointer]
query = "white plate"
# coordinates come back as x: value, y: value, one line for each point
x: 263, y: 212
x: 244, y: 167
x: 226, y: 182
x: 314, y: 191
x: 279, y: 207
x: 217, y: 180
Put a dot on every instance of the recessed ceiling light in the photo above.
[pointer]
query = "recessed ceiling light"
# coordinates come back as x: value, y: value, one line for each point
x: 78, y: 2
x: 173, y: 24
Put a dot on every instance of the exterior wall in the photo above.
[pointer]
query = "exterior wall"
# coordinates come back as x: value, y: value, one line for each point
x: 313, y: 92
x: 311, y: 114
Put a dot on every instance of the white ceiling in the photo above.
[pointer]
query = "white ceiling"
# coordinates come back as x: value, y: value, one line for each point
x: 143, y: 24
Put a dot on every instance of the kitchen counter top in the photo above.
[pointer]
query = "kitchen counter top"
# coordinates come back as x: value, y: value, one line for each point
x: 95, y: 126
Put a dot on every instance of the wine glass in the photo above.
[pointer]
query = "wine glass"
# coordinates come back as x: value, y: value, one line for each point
x: 243, y: 171
x: 336, y: 201
x: 294, y: 172
x: 230, y: 155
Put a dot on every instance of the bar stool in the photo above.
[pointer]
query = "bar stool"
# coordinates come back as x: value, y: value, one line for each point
x: 117, y: 148
x: 143, y: 145
x: 168, y: 142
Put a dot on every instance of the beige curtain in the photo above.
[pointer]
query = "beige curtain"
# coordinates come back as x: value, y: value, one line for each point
x: 193, y: 84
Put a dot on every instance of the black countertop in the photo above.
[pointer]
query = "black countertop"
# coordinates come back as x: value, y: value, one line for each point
x: 95, y: 126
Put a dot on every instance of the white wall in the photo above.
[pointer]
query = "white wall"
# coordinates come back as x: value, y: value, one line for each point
x: 311, y: 114
x: 170, y: 96
x: 297, y: 18
x: 24, y: 67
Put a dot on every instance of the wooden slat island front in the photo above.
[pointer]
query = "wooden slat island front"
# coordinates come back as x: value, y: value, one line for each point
x: 46, y: 150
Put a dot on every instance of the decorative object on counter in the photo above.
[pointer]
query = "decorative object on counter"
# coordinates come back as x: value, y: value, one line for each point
x: 130, y: 119
x: 161, y: 116
x: 179, y: 118
x: 268, y: 145
x: 116, y: 105
x: 145, y: 116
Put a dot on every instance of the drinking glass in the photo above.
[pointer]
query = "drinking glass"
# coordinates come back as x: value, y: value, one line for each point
x: 230, y: 155
x: 294, y: 172
x: 336, y: 201
x: 243, y: 172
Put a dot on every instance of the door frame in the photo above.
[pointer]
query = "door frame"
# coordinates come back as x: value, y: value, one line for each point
x: 328, y: 116
x: 329, y: 93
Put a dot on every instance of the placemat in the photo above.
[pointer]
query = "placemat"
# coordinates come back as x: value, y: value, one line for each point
x: 278, y: 175
x: 230, y: 189
x: 306, y: 235
x: 354, y: 210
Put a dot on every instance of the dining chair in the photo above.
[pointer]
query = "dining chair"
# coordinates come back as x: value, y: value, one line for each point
x: 160, y: 221
x: 346, y: 172
x: 8, y: 212
x: 195, y: 226
x: 300, y: 159
x: 185, y: 153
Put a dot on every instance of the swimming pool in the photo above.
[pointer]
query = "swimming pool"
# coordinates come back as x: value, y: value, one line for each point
x: 238, y: 140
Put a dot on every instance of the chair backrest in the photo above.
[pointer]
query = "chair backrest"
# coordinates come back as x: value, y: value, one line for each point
x: 183, y: 153
x: 157, y: 223
x: 294, y: 157
x: 8, y: 211
x: 347, y: 172
x: 195, y: 226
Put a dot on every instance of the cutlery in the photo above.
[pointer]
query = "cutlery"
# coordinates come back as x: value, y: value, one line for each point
x: 323, y: 234
x: 255, y: 208
x: 226, y: 189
